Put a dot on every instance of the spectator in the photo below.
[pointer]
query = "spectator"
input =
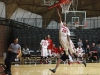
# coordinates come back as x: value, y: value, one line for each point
x: 87, y: 50
x: 94, y: 51
x: 60, y: 50
x: 25, y: 52
x: 88, y: 53
x: 98, y: 48
x: 99, y: 41
x: 54, y: 51
x: 79, y: 51
x: 80, y: 43
x: 85, y: 44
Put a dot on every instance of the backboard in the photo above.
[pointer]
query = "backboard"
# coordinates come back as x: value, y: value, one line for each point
x: 75, y: 18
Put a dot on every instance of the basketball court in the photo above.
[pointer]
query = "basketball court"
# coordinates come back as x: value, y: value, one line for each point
x: 74, y: 19
x: 64, y: 69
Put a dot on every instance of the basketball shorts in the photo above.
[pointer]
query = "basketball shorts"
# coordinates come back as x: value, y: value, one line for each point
x: 64, y: 56
x: 49, y: 52
x: 44, y: 52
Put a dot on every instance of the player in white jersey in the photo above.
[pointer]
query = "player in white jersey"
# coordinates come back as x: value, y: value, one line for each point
x: 64, y: 38
x: 44, y: 45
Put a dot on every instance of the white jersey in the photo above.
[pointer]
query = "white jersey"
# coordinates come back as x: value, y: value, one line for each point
x: 44, y: 43
x: 64, y: 31
x: 79, y: 50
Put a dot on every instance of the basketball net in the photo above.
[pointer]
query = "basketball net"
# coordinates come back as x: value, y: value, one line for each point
x: 65, y: 7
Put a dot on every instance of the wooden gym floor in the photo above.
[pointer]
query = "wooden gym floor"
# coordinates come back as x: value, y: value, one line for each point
x: 64, y: 69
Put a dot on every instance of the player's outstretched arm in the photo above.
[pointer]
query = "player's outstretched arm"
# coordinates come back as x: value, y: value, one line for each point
x: 59, y: 15
x: 68, y: 38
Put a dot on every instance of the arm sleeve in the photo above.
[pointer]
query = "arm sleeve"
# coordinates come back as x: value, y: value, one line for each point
x: 28, y: 51
x: 68, y: 33
x: 78, y: 43
x: 23, y: 51
x: 82, y: 44
x: 41, y: 42
x: 61, y: 23
x: 19, y: 47
x: 10, y: 46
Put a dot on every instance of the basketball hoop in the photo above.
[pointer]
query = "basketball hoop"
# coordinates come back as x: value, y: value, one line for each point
x: 65, y: 7
x: 77, y: 24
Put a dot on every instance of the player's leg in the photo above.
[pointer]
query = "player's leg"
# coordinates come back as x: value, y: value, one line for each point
x: 58, y: 63
x: 46, y: 55
x: 81, y: 59
x: 69, y: 47
x: 49, y: 55
x: 42, y: 53
x: 8, y: 61
x: 43, y: 56
x: 63, y: 41
x: 62, y: 58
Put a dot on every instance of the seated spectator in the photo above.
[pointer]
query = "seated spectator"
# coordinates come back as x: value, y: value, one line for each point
x: 87, y: 50
x: 79, y: 51
x: 94, y: 52
x: 98, y: 48
x: 60, y: 51
x: 80, y: 43
x: 85, y: 44
x: 54, y: 51
x: 88, y: 53
x: 25, y: 52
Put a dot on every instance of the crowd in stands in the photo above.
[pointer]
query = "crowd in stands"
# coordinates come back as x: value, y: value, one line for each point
x: 92, y: 51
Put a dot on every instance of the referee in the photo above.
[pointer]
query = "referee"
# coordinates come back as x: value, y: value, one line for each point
x: 14, y: 51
